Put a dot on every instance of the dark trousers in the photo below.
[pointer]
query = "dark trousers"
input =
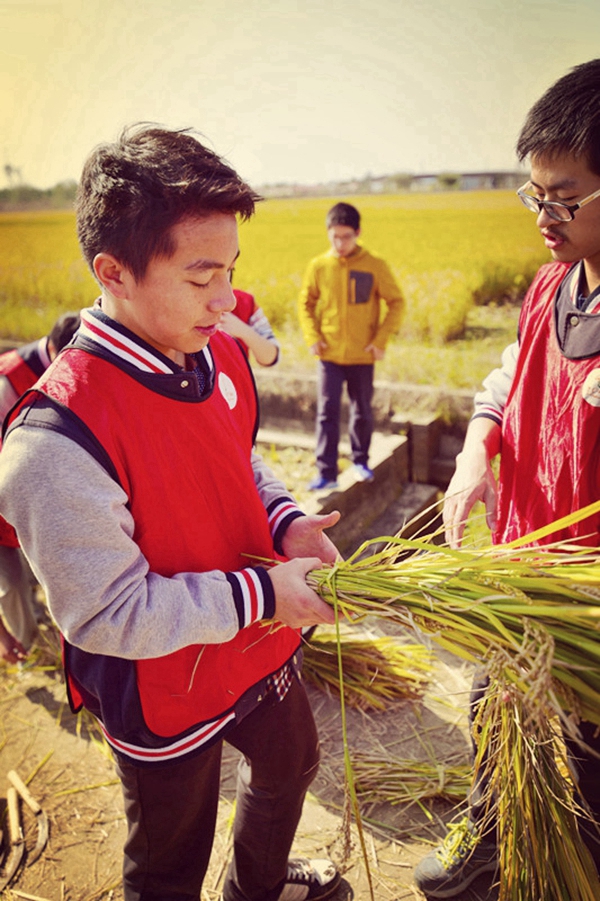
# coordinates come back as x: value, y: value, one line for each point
x: 171, y: 811
x: 584, y: 765
x: 359, y: 383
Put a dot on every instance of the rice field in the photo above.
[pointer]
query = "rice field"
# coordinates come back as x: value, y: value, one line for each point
x: 430, y: 241
x: 42, y: 273
x: 459, y: 256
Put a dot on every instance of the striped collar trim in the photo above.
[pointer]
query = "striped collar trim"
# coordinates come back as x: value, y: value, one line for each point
x: 97, y: 327
x: 122, y: 343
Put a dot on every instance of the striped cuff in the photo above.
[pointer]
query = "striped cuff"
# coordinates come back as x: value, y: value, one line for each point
x: 488, y: 413
x: 281, y: 513
x: 253, y: 594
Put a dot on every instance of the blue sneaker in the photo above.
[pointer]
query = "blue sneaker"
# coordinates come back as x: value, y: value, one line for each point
x: 322, y: 484
x: 362, y: 473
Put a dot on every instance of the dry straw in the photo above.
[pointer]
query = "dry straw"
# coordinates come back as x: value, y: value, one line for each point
x: 376, y: 670
x: 381, y: 777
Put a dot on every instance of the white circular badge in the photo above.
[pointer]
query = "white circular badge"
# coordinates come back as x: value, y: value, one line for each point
x: 227, y: 389
x: 591, y: 388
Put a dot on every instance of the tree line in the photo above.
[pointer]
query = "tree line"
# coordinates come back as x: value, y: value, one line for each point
x: 26, y: 197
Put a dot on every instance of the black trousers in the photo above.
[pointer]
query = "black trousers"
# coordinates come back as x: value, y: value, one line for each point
x: 359, y: 382
x: 171, y: 811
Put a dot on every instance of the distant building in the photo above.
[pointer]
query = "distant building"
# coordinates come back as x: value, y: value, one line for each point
x: 398, y: 182
x: 425, y: 183
x: 486, y: 181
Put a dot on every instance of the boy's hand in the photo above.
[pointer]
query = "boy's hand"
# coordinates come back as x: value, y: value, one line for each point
x: 296, y: 604
x: 377, y: 353
x: 472, y: 481
x: 232, y: 324
x: 305, y: 538
x: 317, y: 348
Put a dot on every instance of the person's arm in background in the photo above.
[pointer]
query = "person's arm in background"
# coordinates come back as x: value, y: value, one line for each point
x: 257, y: 335
x: 491, y: 400
x: 11, y: 650
x: 390, y: 293
x: 8, y: 397
x: 473, y: 479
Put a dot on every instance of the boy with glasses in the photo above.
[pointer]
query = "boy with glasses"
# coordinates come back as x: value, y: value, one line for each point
x: 541, y: 412
x: 339, y: 311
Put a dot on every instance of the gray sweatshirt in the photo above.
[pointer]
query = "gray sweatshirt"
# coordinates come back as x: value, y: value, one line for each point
x: 76, y: 530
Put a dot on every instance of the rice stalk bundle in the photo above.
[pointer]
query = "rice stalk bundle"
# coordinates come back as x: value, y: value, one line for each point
x: 532, y: 615
x: 473, y: 602
x: 522, y: 761
x: 375, y: 670
x: 397, y: 780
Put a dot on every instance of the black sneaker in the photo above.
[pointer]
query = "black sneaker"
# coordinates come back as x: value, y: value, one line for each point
x: 309, y: 880
x: 463, y: 856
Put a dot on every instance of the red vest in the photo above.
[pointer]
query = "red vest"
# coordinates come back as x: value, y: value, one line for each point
x: 245, y: 306
x: 8, y: 536
x: 21, y: 367
x: 186, y: 470
x: 15, y: 367
x: 550, y: 456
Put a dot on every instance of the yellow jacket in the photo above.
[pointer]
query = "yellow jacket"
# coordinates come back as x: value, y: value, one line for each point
x: 340, y: 305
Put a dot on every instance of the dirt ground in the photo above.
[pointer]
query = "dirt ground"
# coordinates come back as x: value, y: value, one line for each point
x: 70, y: 772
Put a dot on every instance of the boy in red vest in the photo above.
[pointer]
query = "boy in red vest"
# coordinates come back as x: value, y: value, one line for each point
x: 19, y: 370
x: 541, y: 411
x: 130, y: 477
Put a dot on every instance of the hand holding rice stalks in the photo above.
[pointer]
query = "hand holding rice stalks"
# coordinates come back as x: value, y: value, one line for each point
x: 475, y: 602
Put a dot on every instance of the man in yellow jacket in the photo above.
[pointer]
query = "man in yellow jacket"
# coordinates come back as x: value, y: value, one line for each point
x: 340, y: 316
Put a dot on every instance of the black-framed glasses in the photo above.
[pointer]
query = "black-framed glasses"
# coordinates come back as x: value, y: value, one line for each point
x: 560, y: 212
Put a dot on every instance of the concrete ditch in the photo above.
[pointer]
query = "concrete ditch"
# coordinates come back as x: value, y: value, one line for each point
x: 419, y: 431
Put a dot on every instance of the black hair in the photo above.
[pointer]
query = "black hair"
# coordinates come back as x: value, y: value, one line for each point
x: 566, y: 119
x: 133, y: 191
x: 63, y: 330
x: 343, y: 214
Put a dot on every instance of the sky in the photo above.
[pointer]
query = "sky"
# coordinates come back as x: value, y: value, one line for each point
x: 301, y: 91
